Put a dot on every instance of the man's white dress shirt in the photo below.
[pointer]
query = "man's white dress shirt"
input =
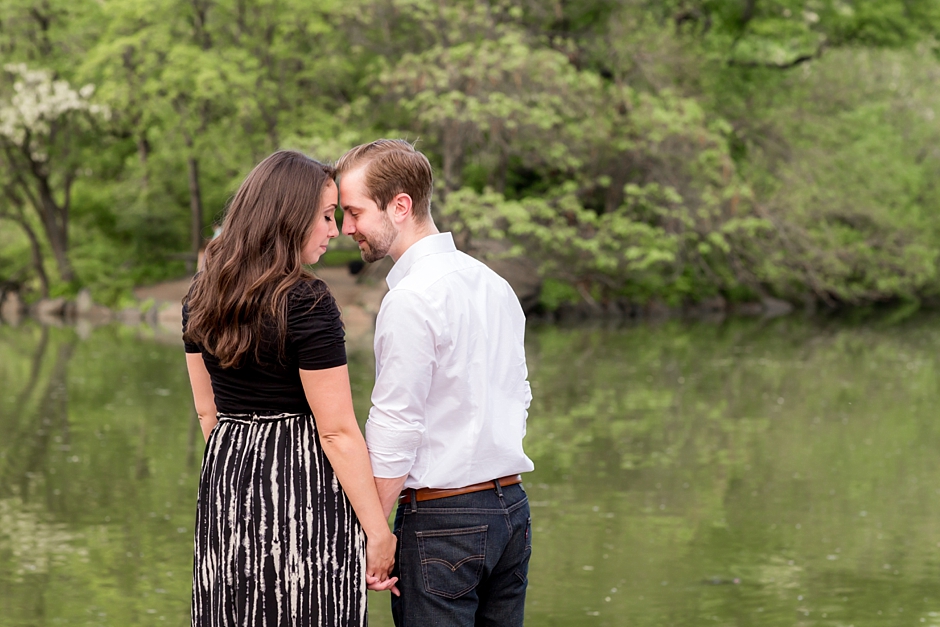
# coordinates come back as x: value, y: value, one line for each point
x: 451, y: 397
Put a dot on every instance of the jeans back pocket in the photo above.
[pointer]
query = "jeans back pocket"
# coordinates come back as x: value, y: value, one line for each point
x: 452, y: 559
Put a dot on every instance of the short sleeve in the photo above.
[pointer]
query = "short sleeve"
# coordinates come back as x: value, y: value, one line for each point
x: 189, y: 346
x: 314, y: 327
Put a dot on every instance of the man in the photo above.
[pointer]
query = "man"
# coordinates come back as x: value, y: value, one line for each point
x: 449, y: 404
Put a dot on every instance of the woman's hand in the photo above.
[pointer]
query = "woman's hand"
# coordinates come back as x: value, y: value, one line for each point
x: 372, y: 583
x: 380, y: 555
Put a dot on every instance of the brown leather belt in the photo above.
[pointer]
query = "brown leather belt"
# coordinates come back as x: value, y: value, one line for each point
x: 428, y: 494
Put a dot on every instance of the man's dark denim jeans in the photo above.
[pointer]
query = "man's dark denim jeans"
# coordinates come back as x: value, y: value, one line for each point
x: 463, y: 560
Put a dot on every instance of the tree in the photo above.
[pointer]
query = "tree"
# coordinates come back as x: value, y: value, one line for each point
x: 211, y: 88
x: 44, y: 124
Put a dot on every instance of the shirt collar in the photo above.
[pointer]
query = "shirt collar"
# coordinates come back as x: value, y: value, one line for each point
x: 424, y: 247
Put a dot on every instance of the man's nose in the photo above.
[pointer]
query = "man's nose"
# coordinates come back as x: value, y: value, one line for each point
x: 349, y: 225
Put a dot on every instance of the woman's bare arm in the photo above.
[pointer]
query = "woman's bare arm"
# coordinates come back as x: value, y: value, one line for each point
x: 330, y: 401
x: 203, y: 396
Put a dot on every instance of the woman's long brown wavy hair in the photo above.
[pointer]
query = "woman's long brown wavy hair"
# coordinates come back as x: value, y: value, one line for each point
x: 252, y: 265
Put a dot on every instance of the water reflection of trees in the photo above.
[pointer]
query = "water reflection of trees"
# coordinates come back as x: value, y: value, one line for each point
x: 36, y: 409
x: 796, y: 457
x: 695, y: 481
x: 38, y: 414
x: 98, y: 466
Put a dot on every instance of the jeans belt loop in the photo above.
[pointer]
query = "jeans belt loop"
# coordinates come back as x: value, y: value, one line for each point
x: 499, y: 488
x: 414, y: 501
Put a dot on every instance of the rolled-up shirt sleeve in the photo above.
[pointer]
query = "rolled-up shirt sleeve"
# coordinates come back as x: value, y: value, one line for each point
x: 407, y: 333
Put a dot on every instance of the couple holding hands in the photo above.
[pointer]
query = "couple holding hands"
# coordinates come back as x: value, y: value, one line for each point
x: 293, y: 503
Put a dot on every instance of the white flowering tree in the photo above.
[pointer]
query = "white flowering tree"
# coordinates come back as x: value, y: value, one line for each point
x: 44, y: 122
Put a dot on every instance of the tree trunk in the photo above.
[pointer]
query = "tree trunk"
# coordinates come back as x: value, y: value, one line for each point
x: 143, y: 153
x: 200, y: 31
x: 195, y: 209
x: 502, y: 168
x: 34, y: 189
x: 452, y: 157
x: 57, y: 234
x: 16, y: 215
x: 748, y: 14
x: 36, y: 250
x: 55, y: 222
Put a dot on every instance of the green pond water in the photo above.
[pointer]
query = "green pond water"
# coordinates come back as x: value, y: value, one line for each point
x: 747, y: 473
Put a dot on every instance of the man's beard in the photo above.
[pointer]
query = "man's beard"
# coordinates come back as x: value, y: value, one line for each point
x: 377, y: 245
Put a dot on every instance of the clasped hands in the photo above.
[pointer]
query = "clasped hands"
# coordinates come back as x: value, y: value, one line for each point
x: 380, y: 558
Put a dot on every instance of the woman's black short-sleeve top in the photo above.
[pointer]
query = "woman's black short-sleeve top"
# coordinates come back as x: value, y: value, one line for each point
x: 271, y: 384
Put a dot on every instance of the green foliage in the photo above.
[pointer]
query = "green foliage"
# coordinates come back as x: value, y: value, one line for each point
x: 337, y: 258
x: 671, y: 150
x: 554, y: 293
x: 14, y: 253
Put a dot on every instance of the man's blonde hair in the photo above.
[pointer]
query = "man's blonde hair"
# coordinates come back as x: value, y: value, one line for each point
x: 392, y: 167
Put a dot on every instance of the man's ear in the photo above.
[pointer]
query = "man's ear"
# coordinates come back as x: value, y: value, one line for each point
x: 400, y: 208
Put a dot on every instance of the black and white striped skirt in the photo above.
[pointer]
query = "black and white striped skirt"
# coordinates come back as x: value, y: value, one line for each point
x: 277, y: 541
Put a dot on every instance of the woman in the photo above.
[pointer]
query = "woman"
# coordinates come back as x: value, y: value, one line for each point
x: 286, y: 473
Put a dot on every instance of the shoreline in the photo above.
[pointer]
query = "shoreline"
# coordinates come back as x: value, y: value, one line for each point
x: 160, y: 306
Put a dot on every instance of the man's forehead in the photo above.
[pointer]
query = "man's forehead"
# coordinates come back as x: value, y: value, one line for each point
x: 352, y: 186
x: 354, y: 177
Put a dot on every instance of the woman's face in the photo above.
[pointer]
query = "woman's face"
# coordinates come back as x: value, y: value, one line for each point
x: 324, y: 227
